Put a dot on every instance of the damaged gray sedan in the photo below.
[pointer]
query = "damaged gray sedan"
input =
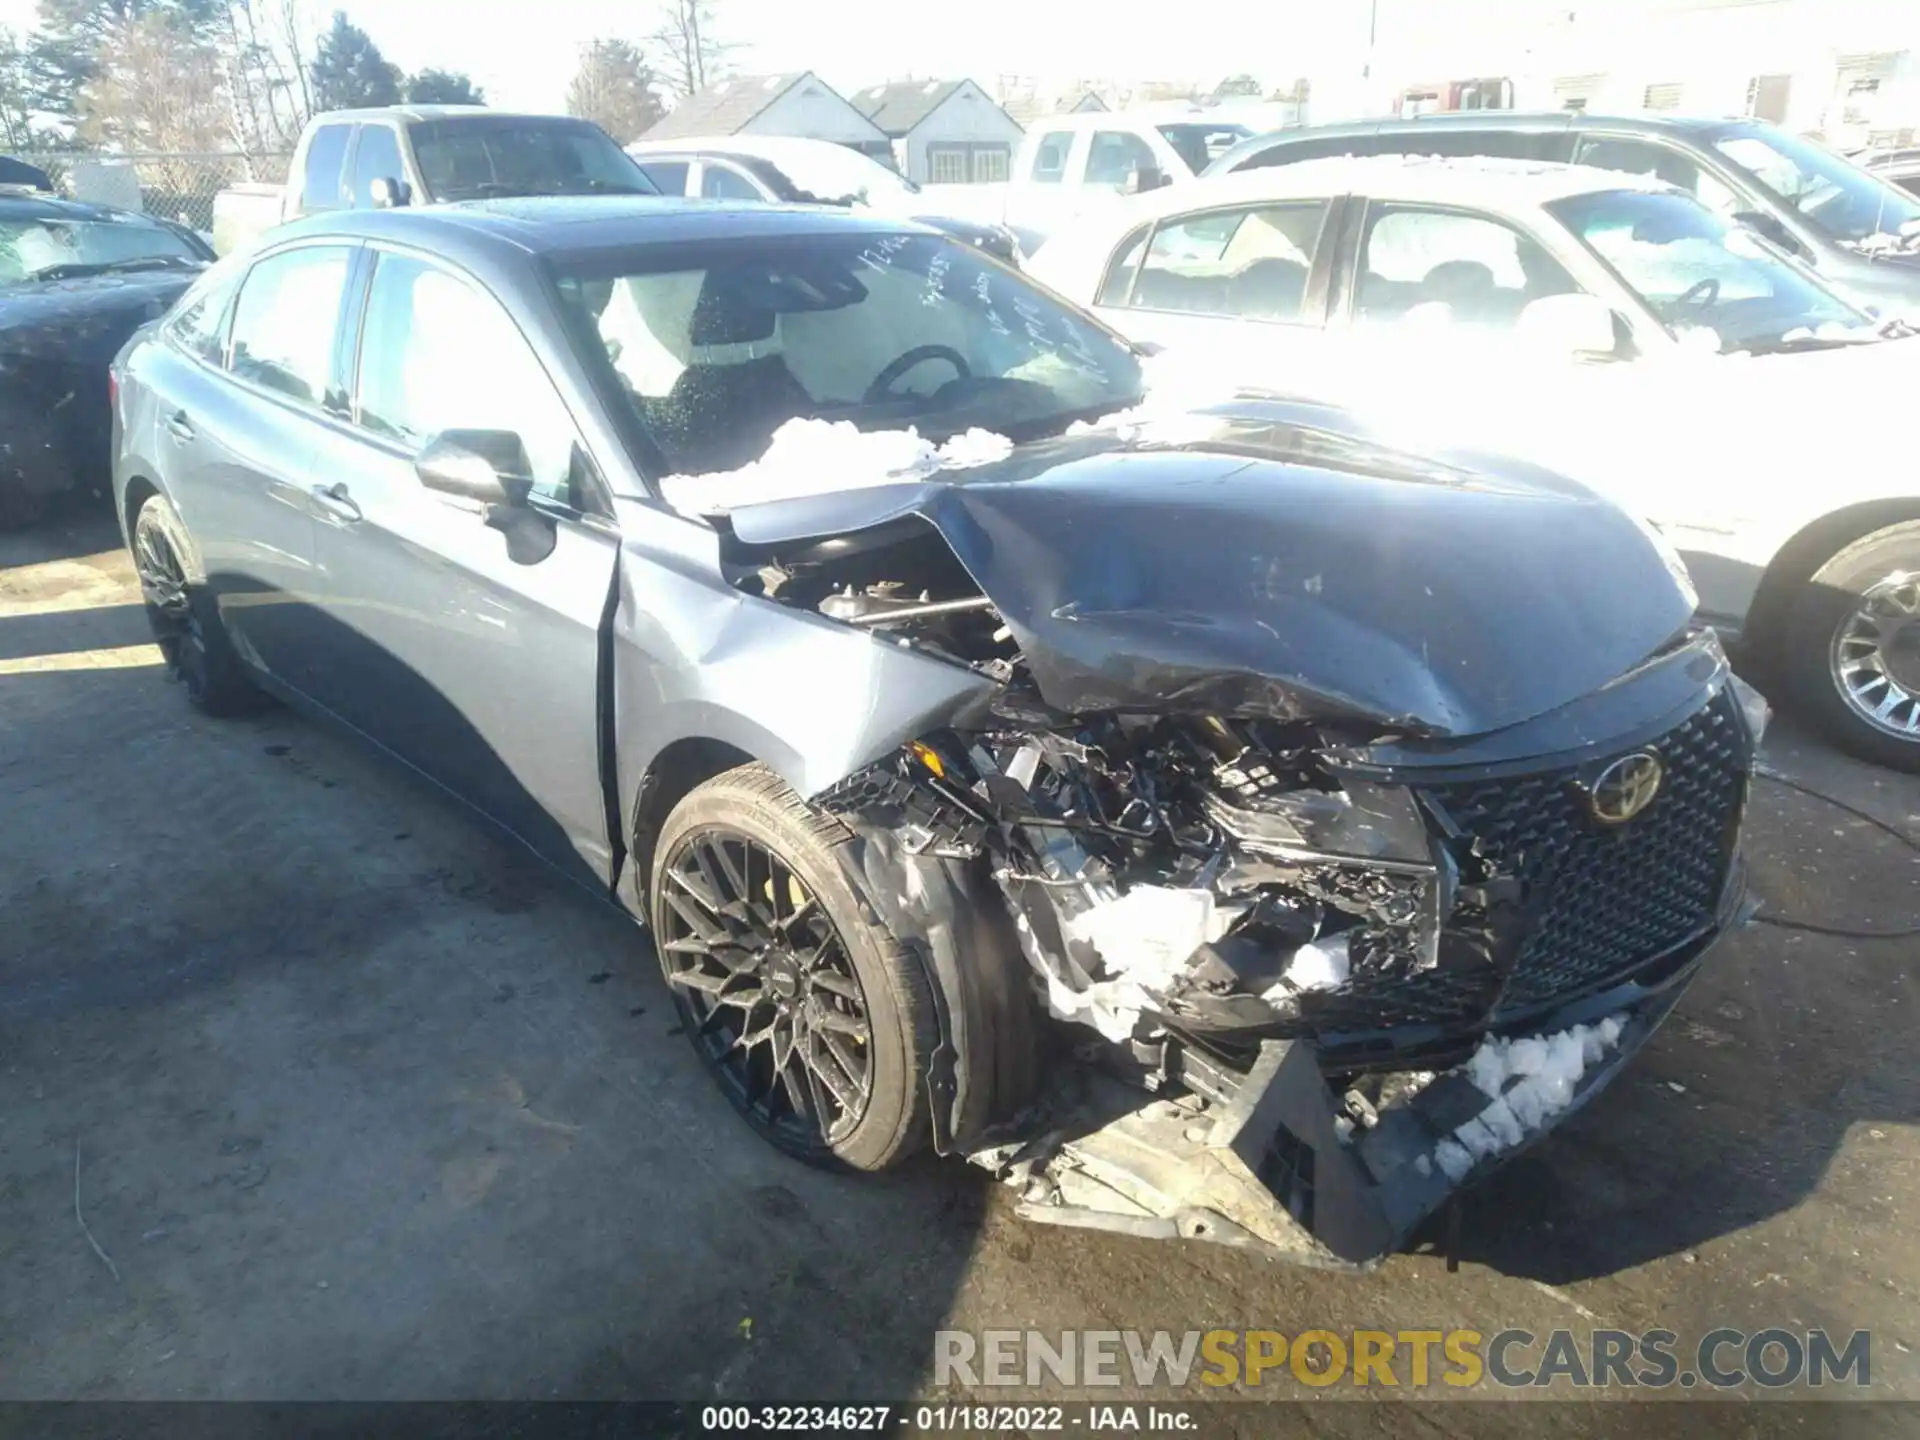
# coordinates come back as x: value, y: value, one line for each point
x: 1213, y: 820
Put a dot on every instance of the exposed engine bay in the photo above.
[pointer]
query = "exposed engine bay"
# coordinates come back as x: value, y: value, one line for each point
x: 1294, y: 823
x: 1302, y: 964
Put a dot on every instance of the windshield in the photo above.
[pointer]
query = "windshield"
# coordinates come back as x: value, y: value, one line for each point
x: 33, y: 248
x: 1702, y: 274
x: 840, y: 176
x: 469, y: 159
x: 1834, y: 194
x: 718, y: 345
x: 1201, y: 145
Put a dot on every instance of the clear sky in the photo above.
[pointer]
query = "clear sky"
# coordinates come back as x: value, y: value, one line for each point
x: 524, y: 53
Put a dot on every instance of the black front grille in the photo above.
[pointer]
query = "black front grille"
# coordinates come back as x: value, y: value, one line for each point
x: 1605, y: 899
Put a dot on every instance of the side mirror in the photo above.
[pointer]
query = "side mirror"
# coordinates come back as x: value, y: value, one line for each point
x: 1142, y: 179
x: 389, y: 194
x: 487, y: 466
x: 1768, y: 227
x: 1574, y: 327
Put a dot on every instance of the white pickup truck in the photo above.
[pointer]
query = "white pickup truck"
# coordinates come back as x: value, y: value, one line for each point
x: 1074, y: 166
x: 419, y: 154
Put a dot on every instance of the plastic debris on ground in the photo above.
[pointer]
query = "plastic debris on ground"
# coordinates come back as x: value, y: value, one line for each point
x: 819, y: 457
x: 1529, y: 1081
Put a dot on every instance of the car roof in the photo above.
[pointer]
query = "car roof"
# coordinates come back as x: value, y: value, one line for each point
x: 766, y: 147
x: 1486, y: 182
x: 1501, y: 187
x: 572, y: 224
x: 436, y: 112
x: 1641, y: 122
x: 22, y: 204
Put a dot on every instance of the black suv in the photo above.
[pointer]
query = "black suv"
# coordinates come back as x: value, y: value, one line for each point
x: 1860, y: 232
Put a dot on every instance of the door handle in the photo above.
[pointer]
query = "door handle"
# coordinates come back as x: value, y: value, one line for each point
x: 179, y: 426
x: 335, y: 500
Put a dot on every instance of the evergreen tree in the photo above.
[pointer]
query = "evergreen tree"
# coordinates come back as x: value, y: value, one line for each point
x: 349, y: 71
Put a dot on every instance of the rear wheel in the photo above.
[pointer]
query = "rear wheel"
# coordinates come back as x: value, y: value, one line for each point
x: 185, y: 625
x: 818, y: 1025
x: 1853, y: 647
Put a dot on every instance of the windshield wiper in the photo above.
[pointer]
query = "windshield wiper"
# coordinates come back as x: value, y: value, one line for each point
x: 1794, y: 344
x: 80, y: 269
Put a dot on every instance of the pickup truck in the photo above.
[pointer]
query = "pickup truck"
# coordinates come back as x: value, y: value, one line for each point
x: 418, y: 154
x: 1073, y: 166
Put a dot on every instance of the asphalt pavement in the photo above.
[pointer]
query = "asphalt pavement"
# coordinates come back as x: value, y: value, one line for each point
x: 312, y: 1088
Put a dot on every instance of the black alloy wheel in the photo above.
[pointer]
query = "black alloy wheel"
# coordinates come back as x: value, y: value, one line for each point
x: 766, y: 987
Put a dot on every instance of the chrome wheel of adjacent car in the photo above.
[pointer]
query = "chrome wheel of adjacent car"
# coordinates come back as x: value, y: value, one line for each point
x: 1876, y: 656
x: 766, y: 987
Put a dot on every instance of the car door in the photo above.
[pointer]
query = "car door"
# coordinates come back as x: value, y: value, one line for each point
x: 470, y: 652
x: 1241, y: 288
x: 241, y: 424
x: 376, y: 156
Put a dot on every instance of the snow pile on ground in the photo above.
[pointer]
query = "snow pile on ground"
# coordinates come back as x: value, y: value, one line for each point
x: 1529, y: 1082
x: 822, y: 457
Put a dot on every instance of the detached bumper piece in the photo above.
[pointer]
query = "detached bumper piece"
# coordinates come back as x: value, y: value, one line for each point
x: 1275, y: 1163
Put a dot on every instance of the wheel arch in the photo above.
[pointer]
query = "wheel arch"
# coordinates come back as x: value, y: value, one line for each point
x: 1800, y: 559
x: 680, y: 767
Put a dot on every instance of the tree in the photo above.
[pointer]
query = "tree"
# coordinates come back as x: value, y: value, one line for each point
x: 65, y: 51
x: 16, y: 93
x: 444, y: 87
x: 614, y: 88
x: 157, y: 88
x: 266, y: 74
x: 695, y: 56
x: 349, y: 71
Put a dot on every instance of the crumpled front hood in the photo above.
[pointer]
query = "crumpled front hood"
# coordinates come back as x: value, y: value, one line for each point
x: 1277, y: 561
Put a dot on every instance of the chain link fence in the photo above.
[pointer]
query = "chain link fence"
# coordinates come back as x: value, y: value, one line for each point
x: 178, y: 186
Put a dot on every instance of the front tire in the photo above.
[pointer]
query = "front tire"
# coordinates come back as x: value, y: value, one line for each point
x: 1852, y: 658
x: 818, y: 1025
x: 186, y: 624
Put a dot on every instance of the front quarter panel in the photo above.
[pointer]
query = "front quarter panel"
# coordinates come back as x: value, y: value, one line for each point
x: 696, y: 658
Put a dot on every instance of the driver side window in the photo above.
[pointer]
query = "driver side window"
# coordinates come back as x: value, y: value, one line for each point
x: 436, y: 354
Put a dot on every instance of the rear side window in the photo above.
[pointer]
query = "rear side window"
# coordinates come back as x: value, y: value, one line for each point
x: 200, y: 326
x: 286, y: 319
x: 1118, y: 284
x: 669, y: 175
x: 1249, y: 264
x: 376, y: 157
x: 1641, y: 157
x: 326, y: 158
x: 1050, y: 157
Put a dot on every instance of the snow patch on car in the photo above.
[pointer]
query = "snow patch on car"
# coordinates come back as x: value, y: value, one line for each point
x: 819, y: 457
x: 1529, y: 1082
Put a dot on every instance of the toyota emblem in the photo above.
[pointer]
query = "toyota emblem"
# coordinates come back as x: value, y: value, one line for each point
x: 1626, y: 787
